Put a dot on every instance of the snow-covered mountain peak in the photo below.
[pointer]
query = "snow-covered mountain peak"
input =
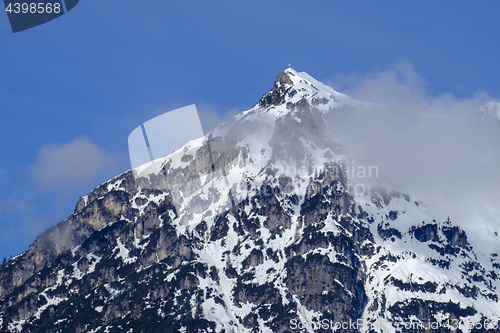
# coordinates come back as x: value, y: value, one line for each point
x: 263, y: 225
x: 294, y: 89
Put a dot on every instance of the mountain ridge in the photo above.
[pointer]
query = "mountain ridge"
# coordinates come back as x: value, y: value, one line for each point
x: 272, y: 238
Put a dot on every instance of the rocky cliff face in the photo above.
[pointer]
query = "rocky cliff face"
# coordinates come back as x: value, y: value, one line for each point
x: 256, y: 228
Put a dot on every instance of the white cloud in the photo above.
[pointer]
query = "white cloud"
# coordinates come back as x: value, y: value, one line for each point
x: 64, y: 166
x: 61, y: 173
x: 431, y: 146
x: 401, y: 88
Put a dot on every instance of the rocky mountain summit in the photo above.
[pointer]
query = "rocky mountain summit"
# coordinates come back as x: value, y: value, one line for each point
x: 261, y: 226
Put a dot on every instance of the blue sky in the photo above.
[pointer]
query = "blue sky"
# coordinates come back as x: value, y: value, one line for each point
x: 73, y: 89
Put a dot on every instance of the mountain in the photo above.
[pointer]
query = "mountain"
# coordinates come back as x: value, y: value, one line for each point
x: 264, y: 225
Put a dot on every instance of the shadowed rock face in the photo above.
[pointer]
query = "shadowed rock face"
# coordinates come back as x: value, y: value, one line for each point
x: 297, y: 249
x: 282, y: 88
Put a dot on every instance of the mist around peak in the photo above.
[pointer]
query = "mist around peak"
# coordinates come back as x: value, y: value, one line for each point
x: 434, y: 147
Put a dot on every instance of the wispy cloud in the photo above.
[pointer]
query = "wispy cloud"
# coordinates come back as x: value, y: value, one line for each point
x: 212, y: 116
x: 64, y: 166
x: 429, y: 145
x: 401, y: 87
x: 59, y: 175
x: 22, y: 220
